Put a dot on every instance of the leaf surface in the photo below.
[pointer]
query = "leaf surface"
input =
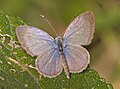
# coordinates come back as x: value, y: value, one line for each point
x: 17, y: 68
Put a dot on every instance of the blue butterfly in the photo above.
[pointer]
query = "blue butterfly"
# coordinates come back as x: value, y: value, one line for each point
x: 54, y: 55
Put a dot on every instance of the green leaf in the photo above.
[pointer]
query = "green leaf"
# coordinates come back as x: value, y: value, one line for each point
x: 17, y: 69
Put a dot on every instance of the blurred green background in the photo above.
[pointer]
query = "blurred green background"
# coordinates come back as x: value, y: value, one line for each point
x: 105, y: 47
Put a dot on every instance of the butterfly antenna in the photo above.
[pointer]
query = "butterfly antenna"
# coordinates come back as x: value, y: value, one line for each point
x: 49, y: 24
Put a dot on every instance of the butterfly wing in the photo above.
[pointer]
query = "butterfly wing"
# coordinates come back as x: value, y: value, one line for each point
x: 48, y: 64
x: 33, y: 40
x: 77, y: 58
x: 38, y: 43
x: 81, y: 30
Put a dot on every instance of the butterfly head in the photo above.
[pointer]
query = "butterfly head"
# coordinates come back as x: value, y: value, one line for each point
x: 58, y: 37
x: 59, y: 42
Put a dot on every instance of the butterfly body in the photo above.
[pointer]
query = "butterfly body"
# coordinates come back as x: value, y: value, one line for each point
x: 54, y: 55
x: 59, y: 43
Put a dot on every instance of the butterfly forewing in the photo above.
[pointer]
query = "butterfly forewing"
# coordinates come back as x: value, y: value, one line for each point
x: 81, y: 30
x: 34, y: 40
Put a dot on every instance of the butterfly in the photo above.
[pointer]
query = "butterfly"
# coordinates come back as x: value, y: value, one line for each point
x: 56, y: 54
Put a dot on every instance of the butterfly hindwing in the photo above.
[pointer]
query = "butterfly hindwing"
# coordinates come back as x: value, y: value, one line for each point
x: 48, y: 63
x: 77, y: 58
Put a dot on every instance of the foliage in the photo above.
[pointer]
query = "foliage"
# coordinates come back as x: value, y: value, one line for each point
x: 17, y: 69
